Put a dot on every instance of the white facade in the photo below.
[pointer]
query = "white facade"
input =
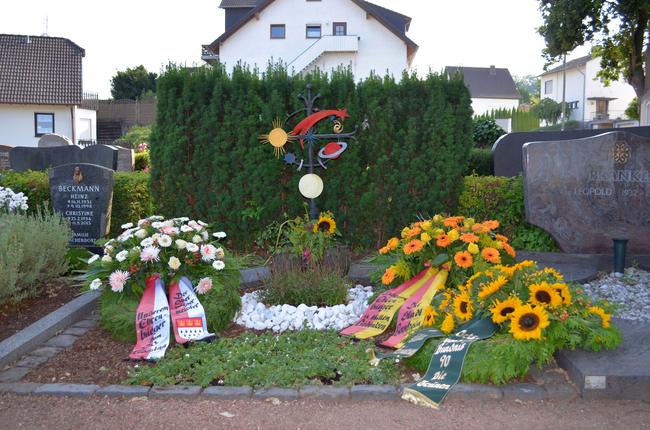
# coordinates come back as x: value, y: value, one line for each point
x: 18, y: 128
x: 368, y: 45
x: 586, y: 94
x: 485, y: 105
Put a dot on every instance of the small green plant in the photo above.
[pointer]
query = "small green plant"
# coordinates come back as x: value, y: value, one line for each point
x: 318, y: 287
x: 137, y: 134
x: 309, y: 239
x: 486, y: 132
x: 142, y: 161
x: 33, y: 251
x: 291, y: 359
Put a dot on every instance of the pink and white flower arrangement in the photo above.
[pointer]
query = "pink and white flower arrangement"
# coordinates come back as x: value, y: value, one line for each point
x: 171, y: 248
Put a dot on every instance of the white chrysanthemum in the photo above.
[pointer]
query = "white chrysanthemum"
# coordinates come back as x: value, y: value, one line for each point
x: 195, y: 225
x: 218, y: 265
x: 117, y: 280
x: 197, y: 239
x: 220, y: 253
x: 143, y: 222
x: 124, y: 237
x: 141, y: 234
x: 180, y: 244
x: 205, y: 235
x: 169, y: 230
x: 127, y: 225
x: 219, y: 235
x: 146, y: 242
x: 186, y: 228
x: 191, y: 247
x: 95, y: 284
x: 156, y: 224
x: 107, y: 258
x: 156, y: 218
x: 149, y: 253
x: 155, y: 237
x: 204, y: 285
x: 121, y: 256
x: 94, y: 258
x: 204, y: 224
x: 174, y: 263
x: 208, y: 252
x: 165, y: 241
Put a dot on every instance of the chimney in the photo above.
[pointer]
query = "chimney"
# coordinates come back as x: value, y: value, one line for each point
x: 493, y: 71
x: 27, y: 40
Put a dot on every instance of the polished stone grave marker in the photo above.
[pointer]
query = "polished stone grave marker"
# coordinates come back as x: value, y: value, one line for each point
x: 4, y: 157
x: 586, y: 192
x: 83, y: 194
x: 52, y: 140
x: 27, y: 158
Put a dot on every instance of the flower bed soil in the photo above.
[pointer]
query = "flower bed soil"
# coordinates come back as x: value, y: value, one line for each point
x: 14, y: 318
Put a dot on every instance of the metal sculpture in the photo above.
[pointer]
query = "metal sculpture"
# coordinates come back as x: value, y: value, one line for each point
x: 311, y: 185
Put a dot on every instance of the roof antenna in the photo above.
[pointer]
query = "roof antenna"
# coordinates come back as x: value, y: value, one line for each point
x: 46, y: 27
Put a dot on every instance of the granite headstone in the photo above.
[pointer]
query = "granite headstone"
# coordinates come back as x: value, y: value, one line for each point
x: 28, y: 158
x: 4, y: 157
x: 125, y: 159
x: 506, y: 151
x: 586, y: 192
x: 83, y: 193
x: 51, y: 140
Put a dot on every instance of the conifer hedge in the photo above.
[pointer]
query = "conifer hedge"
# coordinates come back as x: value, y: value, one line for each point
x: 207, y: 162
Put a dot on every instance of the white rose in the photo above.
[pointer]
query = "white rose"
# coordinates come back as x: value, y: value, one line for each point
x: 121, y: 256
x: 165, y: 241
x: 127, y: 225
x: 146, y: 242
x: 95, y: 284
x: 186, y: 228
x: 174, y: 263
x: 92, y: 259
x: 197, y: 239
x: 191, y: 247
x: 218, y: 265
x: 180, y: 244
x: 107, y: 258
x: 219, y: 253
x: 219, y: 234
x: 141, y: 234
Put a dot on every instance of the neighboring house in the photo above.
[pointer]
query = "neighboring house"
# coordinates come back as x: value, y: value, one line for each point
x: 41, y: 90
x: 490, y: 87
x: 308, y: 34
x: 591, y: 102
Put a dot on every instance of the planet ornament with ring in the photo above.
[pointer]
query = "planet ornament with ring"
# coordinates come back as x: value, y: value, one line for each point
x: 332, y: 150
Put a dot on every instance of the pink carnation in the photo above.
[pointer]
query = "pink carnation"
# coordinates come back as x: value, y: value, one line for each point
x: 204, y: 285
x: 117, y: 280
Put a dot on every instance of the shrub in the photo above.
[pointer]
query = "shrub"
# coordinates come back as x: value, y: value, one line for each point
x: 502, y: 198
x: 137, y: 134
x: 33, y: 251
x: 142, y: 161
x: 480, y: 162
x: 318, y: 287
x: 486, y: 132
x: 131, y: 198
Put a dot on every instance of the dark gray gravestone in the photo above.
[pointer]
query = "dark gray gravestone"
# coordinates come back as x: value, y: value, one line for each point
x: 586, y: 192
x: 506, y: 152
x: 27, y: 158
x: 4, y: 157
x: 83, y: 193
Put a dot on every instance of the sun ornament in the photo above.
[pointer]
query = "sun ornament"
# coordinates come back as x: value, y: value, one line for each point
x: 528, y: 322
x: 277, y: 138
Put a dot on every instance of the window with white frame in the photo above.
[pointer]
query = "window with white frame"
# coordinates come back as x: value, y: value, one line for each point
x: 548, y: 87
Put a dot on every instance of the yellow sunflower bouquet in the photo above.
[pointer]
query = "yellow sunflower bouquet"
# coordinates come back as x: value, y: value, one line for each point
x: 309, y: 239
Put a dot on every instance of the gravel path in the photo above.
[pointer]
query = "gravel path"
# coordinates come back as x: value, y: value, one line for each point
x: 630, y: 290
x: 99, y: 413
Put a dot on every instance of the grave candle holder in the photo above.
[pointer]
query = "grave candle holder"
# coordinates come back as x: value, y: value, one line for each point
x: 620, y: 246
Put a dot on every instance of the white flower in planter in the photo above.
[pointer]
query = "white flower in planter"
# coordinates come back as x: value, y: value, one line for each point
x: 165, y: 241
x: 121, y: 256
x: 174, y: 263
x: 94, y: 258
x: 218, y: 265
x: 95, y: 284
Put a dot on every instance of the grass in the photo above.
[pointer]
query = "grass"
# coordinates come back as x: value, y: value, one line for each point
x: 287, y: 360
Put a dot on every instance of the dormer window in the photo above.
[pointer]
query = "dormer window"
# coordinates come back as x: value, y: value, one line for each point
x: 313, y: 31
x: 278, y: 31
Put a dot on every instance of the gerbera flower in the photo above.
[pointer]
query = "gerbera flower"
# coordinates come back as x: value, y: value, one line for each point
x: 491, y: 255
x: 208, y: 253
x: 502, y: 310
x: 443, y: 240
x: 117, y: 280
x: 469, y: 238
x: 604, y: 316
x: 430, y: 315
x: 491, y: 224
x: 527, y: 322
x: 463, y: 308
x: 384, y: 250
x: 492, y: 287
x: 218, y: 265
x: 388, y: 276
x: 463, y: 259
x: 452, y: 221
x: 509, y: 249
x: 325, y: 224
x: 543, y: 294
x: 393, y: 242
x: 564, y: 292
x: 501, y: 238
x: 413, y: 246
x: 204, y: 285
x: 149, y: 254
x: 448, y: 324
x: 479, y: 228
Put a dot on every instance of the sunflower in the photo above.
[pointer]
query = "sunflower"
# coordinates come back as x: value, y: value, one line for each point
x: 507, y: 270
x: 604, y: 316
x: 463, y: 259
x: 502, y: 310
x: 443, y: 240
x: 448, y: 324
x: 413, y: 246
x: 492, y: 287
x: 430, y: 315
x: 527, y: 322
x: 388, y: 276
x: 551, y: 271
x: 326, y: 224
x: 543, y: 294
x: 469, y: 238
x: 491, y: 255
x: 564, y: 292
x: 463, y: 308
x: 445, y: 302
x: 509, y: 249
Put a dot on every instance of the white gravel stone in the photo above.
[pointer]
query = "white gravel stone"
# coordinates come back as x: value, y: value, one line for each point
x: 280, y: 318
x: 630, y: 290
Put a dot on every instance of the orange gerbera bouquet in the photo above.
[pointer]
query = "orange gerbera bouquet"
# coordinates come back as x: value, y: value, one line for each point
x: 469, y: 246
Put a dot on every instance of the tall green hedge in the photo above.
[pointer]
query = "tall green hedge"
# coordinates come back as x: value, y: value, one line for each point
x: 207, y: 161
x: 131, y: 197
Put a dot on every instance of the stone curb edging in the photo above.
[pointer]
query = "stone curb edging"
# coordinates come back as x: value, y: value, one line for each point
x: 42, y: 330
x: 462, y: 391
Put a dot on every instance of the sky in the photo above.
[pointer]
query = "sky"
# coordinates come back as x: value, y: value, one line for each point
x: 118, y: 34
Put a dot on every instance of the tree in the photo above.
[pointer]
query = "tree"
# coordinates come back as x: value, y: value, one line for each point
x: 617, y: 28
x: 133, y: 83
x: 486, y: 131
x: 632, y: 110
x: 528, y: 86
x: 548, y: 110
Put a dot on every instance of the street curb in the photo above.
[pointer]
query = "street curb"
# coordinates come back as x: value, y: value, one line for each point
x: 42, y: 330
